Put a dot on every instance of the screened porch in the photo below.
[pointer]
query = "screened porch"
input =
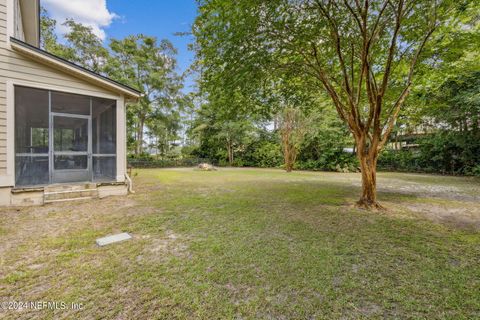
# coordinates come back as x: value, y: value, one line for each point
x: 63, y: 137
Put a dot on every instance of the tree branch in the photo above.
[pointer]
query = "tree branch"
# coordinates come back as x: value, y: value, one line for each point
x: 391, y: 50
x: 393, y: 114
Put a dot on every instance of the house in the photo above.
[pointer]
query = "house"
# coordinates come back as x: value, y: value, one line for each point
x: 62, y: 127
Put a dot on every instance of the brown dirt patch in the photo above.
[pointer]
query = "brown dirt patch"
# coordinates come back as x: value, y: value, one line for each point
x: 170, y: 245
x: 465, y: 215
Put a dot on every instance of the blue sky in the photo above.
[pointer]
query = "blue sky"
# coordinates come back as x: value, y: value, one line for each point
x: 119, y: 18
x: 161, y: 18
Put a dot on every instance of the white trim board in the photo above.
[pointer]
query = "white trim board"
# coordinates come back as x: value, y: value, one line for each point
x: 52, y: 87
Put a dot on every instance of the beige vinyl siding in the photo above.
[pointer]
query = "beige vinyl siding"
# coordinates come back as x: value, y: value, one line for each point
x: 17, y: 67
x: 3, y: 105
x: 3, y: 20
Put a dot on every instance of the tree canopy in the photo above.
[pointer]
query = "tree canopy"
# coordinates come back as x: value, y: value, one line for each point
x: 363, y: 54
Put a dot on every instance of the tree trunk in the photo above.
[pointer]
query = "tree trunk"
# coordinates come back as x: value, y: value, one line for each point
x: 368, y: 165
x: 288, y: 165
x: 369, y: 182
x: 287, y: 154
x: 141, y: 124
x: 230, y: 152
x: 290, y: 155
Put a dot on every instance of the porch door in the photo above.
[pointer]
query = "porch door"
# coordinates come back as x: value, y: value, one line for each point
x: 71, y: 143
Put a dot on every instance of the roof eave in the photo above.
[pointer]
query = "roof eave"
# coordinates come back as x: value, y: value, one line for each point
x: 73, y: 69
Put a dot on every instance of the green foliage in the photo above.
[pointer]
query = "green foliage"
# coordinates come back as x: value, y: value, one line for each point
x: 451, y: 118
x: 265, y: 155
x: 142, y: 156
x: 445, y: 152
x: 399, y: 160
x: 218, y: 138
x: 456, y: 103
x: 48, y: 38
x: 148, y: 161
x: 264, y: 152
x: 451, y: 152
x: 475, y: 171
x: 149, y: 65
x: 337, y: 161
x: 246, y: 45
x: 84, y: 47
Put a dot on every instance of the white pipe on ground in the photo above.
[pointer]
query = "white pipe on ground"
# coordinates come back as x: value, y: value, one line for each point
x: 129, y: 183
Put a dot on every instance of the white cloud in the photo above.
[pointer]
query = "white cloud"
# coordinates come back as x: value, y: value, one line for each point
x: 93, y: 13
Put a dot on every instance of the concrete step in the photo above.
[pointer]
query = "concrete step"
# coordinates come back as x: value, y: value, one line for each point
x: 64, y: 192
x: 67, y: 200
x: 58, y: 195
x: 70, y: 187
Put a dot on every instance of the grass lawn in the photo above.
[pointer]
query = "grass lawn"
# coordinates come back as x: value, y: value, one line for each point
x: 251, y: 243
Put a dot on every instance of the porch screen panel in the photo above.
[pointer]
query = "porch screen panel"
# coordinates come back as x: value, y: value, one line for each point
x: 104, y: 139
x: 70, y: 103
x: 31, y: 136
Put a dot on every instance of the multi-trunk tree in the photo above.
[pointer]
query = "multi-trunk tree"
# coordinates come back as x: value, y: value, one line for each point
x: 363, y: 54
x: 292, y: 126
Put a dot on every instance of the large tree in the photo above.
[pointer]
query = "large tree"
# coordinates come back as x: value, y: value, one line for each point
x: 149, y: 65
x: 220, y: 129
x: 48, y: 37
x: 84, y: 47
x: 362, y: 53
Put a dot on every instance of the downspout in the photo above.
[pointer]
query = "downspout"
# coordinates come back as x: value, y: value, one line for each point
x: 127, y: 177
x: 129, y: 183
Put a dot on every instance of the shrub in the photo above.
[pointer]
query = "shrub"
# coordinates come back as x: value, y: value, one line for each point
x: 332, y: 160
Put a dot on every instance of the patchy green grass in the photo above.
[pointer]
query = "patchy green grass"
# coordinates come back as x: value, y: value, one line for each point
x: 251, y: 243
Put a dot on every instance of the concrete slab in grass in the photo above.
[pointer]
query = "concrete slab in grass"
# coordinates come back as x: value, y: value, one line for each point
x: 113, y: 239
